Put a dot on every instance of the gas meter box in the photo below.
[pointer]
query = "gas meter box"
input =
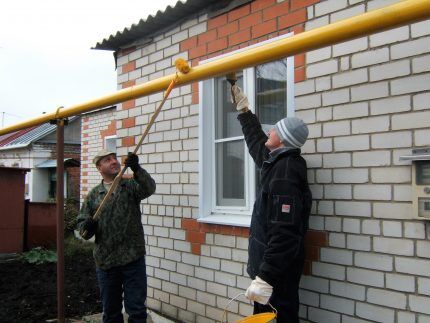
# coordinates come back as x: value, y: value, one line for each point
x: 420, y: 182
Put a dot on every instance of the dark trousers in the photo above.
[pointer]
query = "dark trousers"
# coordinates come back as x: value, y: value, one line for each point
x: 130, y: 279
x: 285, y: 299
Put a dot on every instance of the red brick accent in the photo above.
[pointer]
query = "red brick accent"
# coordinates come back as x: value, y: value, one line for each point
x: 246, y: 25
x: 239, y: 12
x: 297, y: 4
x: 130, y: 66
x: 298, y: 29
x: 196, y: 237
x: 217, y: 45
x: 228, y: 29
x: 190, y: 224
x: 128, y: 141
x: 317, y: 238
x: 299, y: 60
x: 259, y: 5
x: 300, y: 68
x: 196, y: 232
x: 189, y: 43
x: 264, y: 28
x: 129, y: 122
x: 299, y: 75
x: 197, y: 51
x: 128, y: 84
x: 196, y: 248
x: 239, y: 37
x: 109, y: 131
x: 313, y: 242
x: 276, y: 11
x: 251, y: 20
x: 206, y: 37
x: 292, y: 19
x: 130, y: 104
x: 195, y: 93
x: 217, y: 21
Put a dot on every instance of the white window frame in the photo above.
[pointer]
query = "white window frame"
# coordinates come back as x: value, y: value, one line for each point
x: 208, y: 212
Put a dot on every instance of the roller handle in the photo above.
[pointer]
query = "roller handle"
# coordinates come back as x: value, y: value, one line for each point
x: 231, y: 78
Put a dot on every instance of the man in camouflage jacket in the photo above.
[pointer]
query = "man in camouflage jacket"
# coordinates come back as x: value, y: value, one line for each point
x: 119, y: 250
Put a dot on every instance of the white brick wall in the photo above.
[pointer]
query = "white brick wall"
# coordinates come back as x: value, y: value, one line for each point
x: 374, y: 101
x: 366, y: 103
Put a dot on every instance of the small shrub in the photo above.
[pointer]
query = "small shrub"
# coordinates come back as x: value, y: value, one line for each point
x: 39, y: 256
x: 74, y: 247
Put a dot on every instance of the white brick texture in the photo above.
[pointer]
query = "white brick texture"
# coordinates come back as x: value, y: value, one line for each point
x: 365, y: 101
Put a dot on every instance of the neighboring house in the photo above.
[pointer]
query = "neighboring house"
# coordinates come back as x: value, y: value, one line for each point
x: 98, y: 132
x: 366, y: 101
x: 35, y: 148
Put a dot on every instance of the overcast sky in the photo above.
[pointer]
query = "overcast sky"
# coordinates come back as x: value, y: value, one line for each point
x: 46, y: 58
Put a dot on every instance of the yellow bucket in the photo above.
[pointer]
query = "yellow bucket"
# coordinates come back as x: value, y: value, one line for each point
x: 268, y: 317
x: 259, y: 318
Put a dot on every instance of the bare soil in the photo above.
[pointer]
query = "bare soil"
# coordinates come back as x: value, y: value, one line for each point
x: 28, y: 292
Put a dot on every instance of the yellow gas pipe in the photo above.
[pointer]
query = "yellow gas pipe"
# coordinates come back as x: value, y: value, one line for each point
x: 402, y: 13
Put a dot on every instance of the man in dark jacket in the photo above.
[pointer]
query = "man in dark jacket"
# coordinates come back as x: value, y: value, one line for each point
x: 281, y: 212
x: 119, y: 250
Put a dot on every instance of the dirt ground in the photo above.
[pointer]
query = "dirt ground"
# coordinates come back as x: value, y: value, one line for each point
x: 28, y: 292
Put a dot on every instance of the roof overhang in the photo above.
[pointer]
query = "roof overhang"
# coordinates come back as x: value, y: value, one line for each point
x: 52, y: 163
x: 145, y: 29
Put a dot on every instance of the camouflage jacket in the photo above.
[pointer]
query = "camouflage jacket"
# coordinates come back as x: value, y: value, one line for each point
x: 119, y: 237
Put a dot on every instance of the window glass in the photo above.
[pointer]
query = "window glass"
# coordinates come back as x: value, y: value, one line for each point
x: 226, y: 123
x: 230, y: 175
x: 229, y: 148
x: 271, y: 92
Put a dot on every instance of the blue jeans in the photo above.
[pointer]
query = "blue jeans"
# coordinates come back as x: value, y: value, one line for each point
x: 130, y: 279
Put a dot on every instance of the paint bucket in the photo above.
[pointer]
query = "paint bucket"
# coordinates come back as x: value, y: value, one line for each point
x: 268, y: 317
x: 259, y: 318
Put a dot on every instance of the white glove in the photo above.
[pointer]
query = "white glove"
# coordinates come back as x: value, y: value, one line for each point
x: 259, y: 291
x: 238, y: 97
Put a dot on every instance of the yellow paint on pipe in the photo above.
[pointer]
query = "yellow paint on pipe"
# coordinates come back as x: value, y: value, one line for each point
x: 401, y: 13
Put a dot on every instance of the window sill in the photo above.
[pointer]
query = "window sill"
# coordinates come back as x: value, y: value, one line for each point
x: 233, y: 220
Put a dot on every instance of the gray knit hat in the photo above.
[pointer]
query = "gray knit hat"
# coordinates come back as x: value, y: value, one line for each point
x: 292, y: 131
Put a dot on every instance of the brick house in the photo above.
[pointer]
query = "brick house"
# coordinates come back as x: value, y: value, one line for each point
x: 35, y: 148
x: 366, y: 103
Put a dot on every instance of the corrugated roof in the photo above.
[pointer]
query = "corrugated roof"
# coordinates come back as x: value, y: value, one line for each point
x: 8, y: 138
x: 25, y: 137
x: 154, y: 24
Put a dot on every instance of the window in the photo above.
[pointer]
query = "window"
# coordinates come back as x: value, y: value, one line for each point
x: 229, y: 149
x: 227, y: 173
x: 110, y: 143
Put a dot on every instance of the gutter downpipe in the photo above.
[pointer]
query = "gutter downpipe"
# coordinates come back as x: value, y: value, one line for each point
x: 399, y: 14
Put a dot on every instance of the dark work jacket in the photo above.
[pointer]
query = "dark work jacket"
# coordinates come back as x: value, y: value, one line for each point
x: 281, y: 210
